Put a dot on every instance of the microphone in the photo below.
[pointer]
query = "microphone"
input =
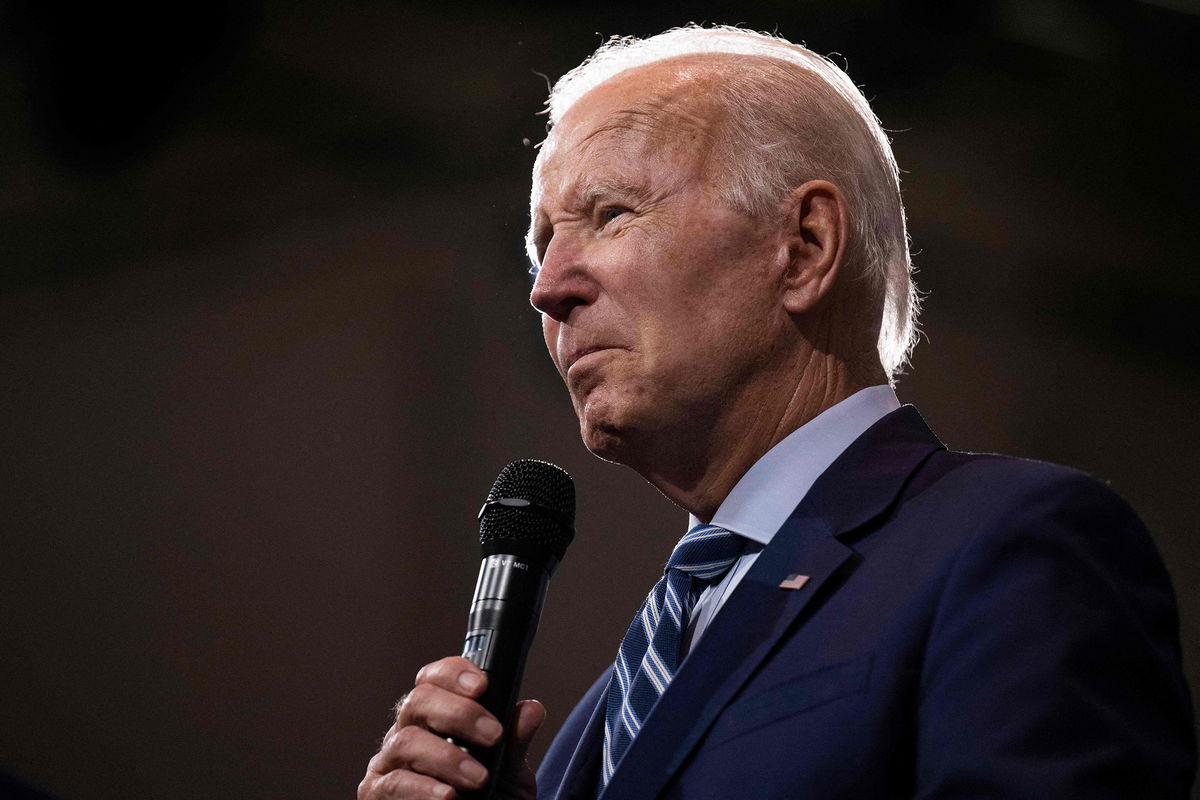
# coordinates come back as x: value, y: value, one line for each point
x: 525, y: 526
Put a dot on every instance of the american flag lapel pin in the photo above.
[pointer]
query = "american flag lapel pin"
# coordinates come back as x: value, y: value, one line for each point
x: 794, y: 582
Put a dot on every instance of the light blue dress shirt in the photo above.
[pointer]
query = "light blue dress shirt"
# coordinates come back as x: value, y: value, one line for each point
x: 770, y: 491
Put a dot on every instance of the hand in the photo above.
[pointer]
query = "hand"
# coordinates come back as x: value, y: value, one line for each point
x: 415, y: 760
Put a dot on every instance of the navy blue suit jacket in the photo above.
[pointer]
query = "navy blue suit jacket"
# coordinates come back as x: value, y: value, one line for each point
x: 973, y: 626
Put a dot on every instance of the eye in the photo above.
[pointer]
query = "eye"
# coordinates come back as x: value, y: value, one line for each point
x: 536, y: 243
x: 609, y: 213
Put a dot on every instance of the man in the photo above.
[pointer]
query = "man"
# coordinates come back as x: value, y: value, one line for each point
x: 723, y: 279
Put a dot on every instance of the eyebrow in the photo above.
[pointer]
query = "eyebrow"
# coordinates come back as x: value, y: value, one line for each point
x: 613, y: 186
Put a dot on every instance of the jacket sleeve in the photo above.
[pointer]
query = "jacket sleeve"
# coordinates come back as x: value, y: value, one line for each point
x: 1053, y: 664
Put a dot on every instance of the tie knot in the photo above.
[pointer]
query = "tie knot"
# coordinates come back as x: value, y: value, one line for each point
x: 706, y: 552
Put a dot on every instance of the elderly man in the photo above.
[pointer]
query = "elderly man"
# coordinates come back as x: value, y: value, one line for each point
x: 856, y: 612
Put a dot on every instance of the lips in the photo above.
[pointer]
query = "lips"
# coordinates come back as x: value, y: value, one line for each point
x: 576, y: 355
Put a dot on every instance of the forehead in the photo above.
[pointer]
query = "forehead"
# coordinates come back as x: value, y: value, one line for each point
x: 658, y: 113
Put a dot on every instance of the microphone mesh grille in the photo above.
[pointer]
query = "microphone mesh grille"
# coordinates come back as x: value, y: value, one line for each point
x: 544, y: 485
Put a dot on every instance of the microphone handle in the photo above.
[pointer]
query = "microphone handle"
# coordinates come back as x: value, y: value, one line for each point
x: 504, y: 617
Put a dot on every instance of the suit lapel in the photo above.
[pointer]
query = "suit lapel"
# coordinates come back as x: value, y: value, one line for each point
x: 583, y: 770
x: 753, y: 619
x: 856, y: 488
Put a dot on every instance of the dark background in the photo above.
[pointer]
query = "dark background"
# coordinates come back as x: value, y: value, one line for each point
x: 265, y: 341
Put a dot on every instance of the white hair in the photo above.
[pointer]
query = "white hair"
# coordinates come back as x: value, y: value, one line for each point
x: 796, y: 116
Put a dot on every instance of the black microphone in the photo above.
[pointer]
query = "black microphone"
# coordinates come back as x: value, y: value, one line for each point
x: 524, y: 529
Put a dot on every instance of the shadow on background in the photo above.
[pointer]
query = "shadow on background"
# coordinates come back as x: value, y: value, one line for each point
x: 264, y: 326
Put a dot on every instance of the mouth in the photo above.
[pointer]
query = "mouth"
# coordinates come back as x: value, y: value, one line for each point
x: 582, y: 353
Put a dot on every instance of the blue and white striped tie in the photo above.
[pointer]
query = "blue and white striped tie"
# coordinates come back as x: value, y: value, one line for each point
x: 649, y: 653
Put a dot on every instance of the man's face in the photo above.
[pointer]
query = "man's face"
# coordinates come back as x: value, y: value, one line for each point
x: 660, y: 304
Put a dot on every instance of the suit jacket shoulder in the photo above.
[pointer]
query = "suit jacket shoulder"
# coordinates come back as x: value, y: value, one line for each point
x: 971, y: 625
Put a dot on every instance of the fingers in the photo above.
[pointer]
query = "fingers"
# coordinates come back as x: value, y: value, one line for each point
x: 455, y: 674
x: 403, y: 786
x: 415, y: 759
x: 433, y: 706
x: 417, y: 750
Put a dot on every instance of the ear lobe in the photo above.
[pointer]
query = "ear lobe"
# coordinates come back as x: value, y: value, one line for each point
x: 817, y: 229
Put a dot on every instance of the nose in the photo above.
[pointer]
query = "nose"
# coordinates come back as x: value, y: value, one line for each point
x: 564, y: 281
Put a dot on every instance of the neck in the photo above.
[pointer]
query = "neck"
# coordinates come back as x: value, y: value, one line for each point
x: 698, y: 471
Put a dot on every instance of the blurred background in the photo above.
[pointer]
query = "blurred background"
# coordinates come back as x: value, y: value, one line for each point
x: 265, y: 341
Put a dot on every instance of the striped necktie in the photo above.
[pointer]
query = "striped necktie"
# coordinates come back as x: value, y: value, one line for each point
x: 649, y: 653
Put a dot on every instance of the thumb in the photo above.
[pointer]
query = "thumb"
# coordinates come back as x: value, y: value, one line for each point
x: 518, y: 779
x: 528, y: 718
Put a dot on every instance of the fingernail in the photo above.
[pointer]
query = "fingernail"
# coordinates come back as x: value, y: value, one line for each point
x: 489, y: 729
x: 473, y: 771
x: 470, y: 681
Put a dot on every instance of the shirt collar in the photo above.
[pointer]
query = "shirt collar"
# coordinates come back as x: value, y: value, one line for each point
x: 768, y: 493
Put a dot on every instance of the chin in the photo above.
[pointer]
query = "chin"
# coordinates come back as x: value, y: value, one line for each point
x: 605, y: 437
x: 604, y: 442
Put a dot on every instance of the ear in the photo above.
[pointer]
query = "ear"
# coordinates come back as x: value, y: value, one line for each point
x: 814, y: 243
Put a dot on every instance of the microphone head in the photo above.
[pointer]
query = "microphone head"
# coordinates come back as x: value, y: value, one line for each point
x: 530, y: 511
